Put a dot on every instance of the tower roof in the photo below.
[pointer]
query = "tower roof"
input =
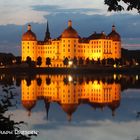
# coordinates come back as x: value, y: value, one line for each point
x: 70, y: 32
x: 114, y: 35
x: 29, y: 35
x: 69, y: 109
x: 47, y: 35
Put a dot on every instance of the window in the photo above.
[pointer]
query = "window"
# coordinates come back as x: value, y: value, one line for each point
x: 68, y: 50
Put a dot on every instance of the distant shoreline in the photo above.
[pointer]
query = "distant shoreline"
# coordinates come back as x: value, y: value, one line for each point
x: 79, y: 70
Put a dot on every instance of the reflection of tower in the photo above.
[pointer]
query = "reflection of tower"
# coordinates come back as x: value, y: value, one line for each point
x: 69, y: 94
x: 29, y: 104
x: 69, y: 109
x: 47, y: 106
x: 113, y: 106
x: 28, y: 95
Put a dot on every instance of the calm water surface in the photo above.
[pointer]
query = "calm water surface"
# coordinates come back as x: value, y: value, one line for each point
x: 65, y: 107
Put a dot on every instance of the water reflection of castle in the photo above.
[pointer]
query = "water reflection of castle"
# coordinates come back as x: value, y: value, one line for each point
x: 69, y: 92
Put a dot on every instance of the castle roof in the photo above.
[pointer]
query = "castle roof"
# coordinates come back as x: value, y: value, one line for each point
x: 29, y: 35
x: 114, y: 35
x: 70, y: 32
x: 97, y: 36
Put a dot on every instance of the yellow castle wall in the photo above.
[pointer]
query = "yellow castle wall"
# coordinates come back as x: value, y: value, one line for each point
x: 70, y: 48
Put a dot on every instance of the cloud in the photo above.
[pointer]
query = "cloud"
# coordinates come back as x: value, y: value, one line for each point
x: 98, y: 130
x: 54, y: 9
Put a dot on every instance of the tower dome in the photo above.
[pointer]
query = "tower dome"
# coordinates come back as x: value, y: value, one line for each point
x: 113, y: 106
x: 28, y: 105
x: 69, y: 109
x: 114, y: 35
x: 29, y: 35
x: 69, y: 32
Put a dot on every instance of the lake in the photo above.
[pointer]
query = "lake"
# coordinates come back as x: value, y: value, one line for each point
x: 77, y: 107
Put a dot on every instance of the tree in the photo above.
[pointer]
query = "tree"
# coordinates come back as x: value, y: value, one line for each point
x: 48, y: 81
x: 65, y: 80
x: 103, y: 62
x: 29, y: 60
x: 48, y: 61
x: 98, y: 61
x: 8, y: 100
x: 39, y: 81
x: 87, y: 61
x: 66, y: 61
x: 93, y: 61
x: 75, y: 61
x: 18, y: 60
x: 28, y: 81
x: 81, y: 61
x: 39, y: 61
x: 114, y: 5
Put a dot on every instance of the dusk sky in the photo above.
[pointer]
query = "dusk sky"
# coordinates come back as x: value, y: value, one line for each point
x: 87, y: 16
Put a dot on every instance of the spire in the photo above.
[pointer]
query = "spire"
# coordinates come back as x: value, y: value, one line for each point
x: 47, y: 106
x: 29, y: 113
x: 47, y: 27
x: 29, y: 27
x: 69, y: 23
x: 47, y: 35
x: 69, y: 117
x: 113, y: 113
x: 113, y: 27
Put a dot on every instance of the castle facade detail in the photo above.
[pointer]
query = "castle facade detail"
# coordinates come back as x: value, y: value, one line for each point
x: 71, y: 46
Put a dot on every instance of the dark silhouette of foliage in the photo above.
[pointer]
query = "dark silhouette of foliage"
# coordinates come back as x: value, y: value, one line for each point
x: 114, y: 5
x: 7, y: 100
x: 103, y: 62
x: 28, y: 81
x: 81, y: 61
x: 18, y: 60
x: 48, y: 81
x: 66, y: 61
x: 39, y: 61
x: 98, y: 61
x: 29, y: 60
x: 6, y: 59
x: 75, y: 61
x: 48, y: 61
x: 39, y: 81
x: 65, y: 80
x: 87, y: 61
x: 18, y: 81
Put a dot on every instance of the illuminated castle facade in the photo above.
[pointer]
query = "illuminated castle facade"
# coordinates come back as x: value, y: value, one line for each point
x: 69, y: 92
x: 70, y: 45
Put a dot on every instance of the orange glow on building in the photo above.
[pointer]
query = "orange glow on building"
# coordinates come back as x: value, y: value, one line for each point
x: 69, y: 93
x: 70, y: 45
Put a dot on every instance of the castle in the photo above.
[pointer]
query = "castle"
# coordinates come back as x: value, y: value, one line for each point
x: 69, y: 92
x: 71, y: 46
